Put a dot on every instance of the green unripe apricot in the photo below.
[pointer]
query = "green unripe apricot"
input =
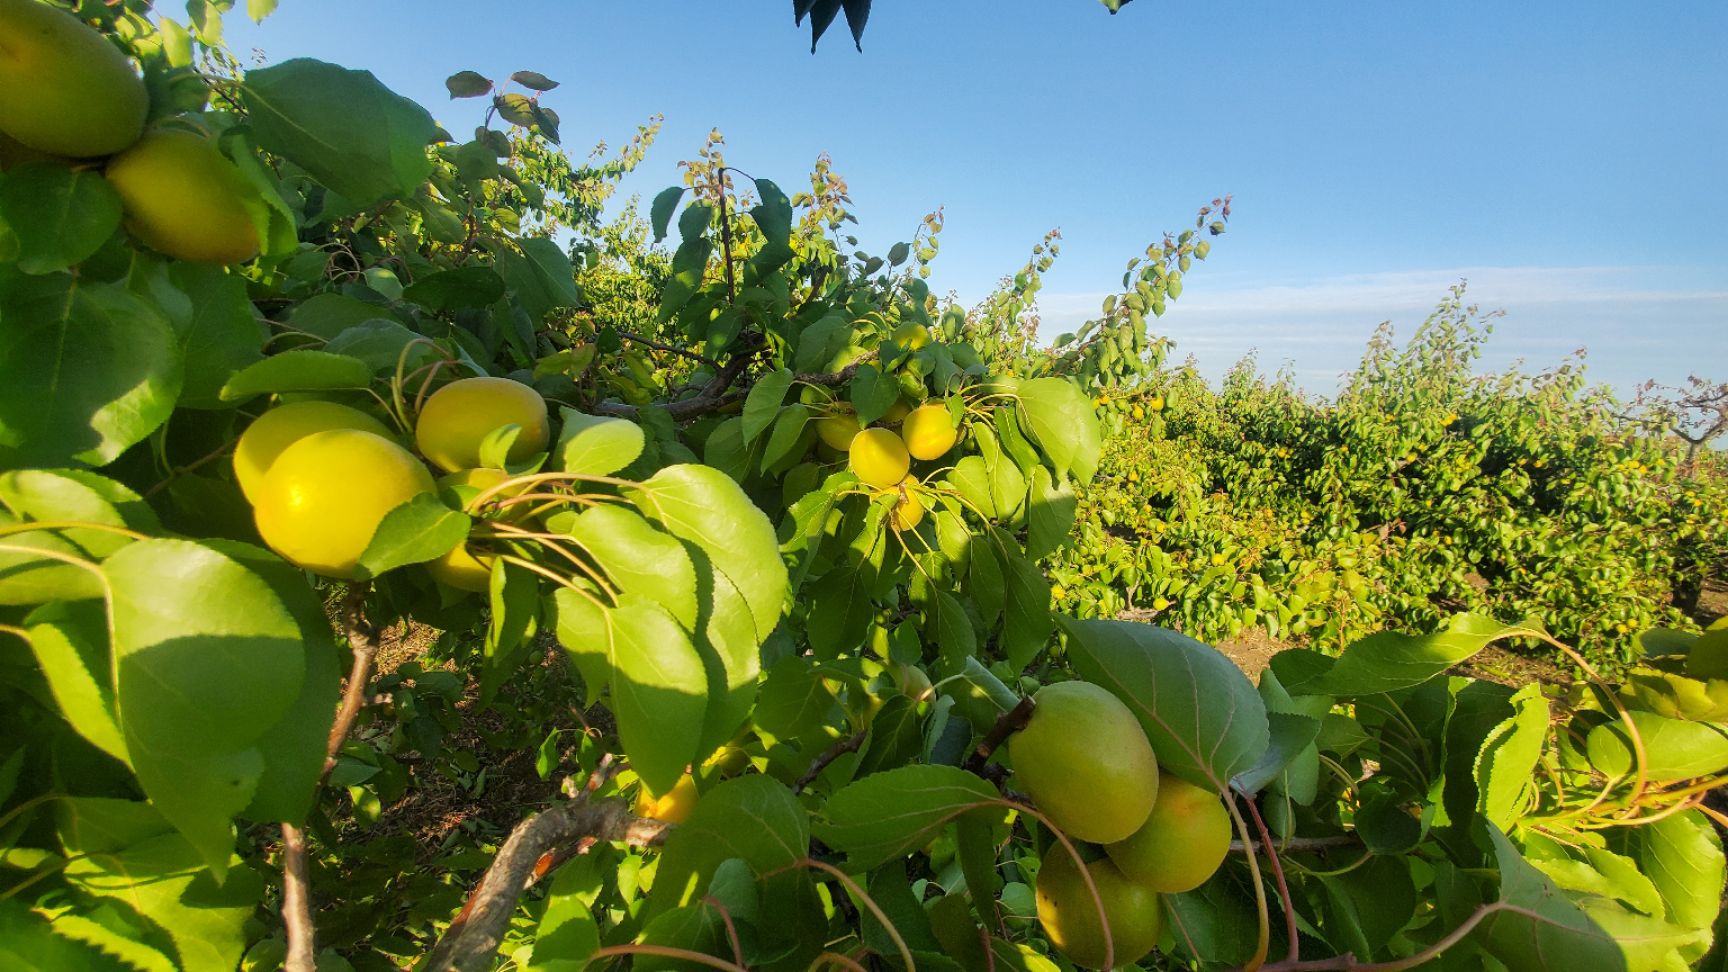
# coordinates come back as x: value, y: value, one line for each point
x: 64, y: 89
x: 1085, y: 761
x: 1069, y: 913
x: 185, y: 199
x: 1181, y: 844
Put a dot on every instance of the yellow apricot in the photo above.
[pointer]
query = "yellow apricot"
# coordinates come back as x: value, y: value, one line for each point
x: 1085, y: 761
x: 1069, y: 913
x: 912, y: 336
x: 325, y: 495
x: 879, y: 458
x: 183, y: 198
x: 838, y: 428
x: 928, y: 431
x: 274, y: 431
x: 1181, y: 844
x: 674, y: 808
x: 897, y: 411
x: 64, y: 88
x: 458, y: 417
x: 909, y: 509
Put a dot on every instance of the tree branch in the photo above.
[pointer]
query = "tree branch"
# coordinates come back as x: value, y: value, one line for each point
x: 297, y: 903
x: 472, y: 940
x: 670, y: 349
x: 850, y: 744
x: 1006, y: 725
x: 1299, y: 844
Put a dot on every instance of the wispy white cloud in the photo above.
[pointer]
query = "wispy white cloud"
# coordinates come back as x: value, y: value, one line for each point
x: 1636, y: 322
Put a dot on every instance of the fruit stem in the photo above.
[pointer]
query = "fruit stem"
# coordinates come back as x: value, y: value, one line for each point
x: 1007, y: 724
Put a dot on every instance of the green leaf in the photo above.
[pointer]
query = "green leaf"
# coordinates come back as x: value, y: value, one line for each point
x: 971, y: 478
x: 1060, y: 419
x: 219, y: 334
x: 762, y: 405
x: 753, y: 818
x: 1204, y: 719
x: 1673, y: 749
x: 303, y: 369
x: 660, y: 212
x: 596, y: 445
x: 61, y: 217
x: 567, y: 934
x: 1049, y: 515
x: 788, y: 433
x: 1389, y: 661
x: 259, y: 9
x: 419, y: 530
x: 534, y: 80
x: 70, y: 641
x: 86, y: 371
x: 1682, y: 857
x: 888, y: 815
x: 950, y: 627
x: 659, y: 690
x: 203, y: 912
x: 725, y: 634
x: 1547, y: 932
x: 840, y: 609
x: 1026, y: 618
x: 707, y: 508
x: 207, y: 659
x: 896, y: 736
x: 638, y: 559
x: 1507, y: 761
x: 873, y: 393
x: 1290, y: 734
x: 458, y: 289
x: 380, y: 343
x: 350, y: 132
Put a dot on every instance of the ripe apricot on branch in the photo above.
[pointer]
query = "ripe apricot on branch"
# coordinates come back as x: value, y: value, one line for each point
x: 1069, y: 913
x: 1181, y: 844
x: 325, y: 495
x: 908, y: 509
x: 64, y: 89
x: 838, y: 428
x: 274, y: 431
x: 929, y: 431
x: 184, y: 199
x: 674, y: 807
x: 912, y: 336
x: 458, y: 417
x: 879, y: 458
x: 1085, y: 761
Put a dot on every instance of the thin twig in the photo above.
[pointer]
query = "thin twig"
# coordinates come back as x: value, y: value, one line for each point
x: 472, y: 940
x: 850, y: 744
x: 670, y: 349
x: 1293, y: 951
x: 1299, y: 844
x: 297, y: 903
x: 363, y: 642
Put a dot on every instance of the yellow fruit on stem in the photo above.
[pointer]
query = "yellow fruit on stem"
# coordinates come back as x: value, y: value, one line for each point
x: 462, y: 569
x: 325, y: 495
x: 183, y: 198
x: 838, y: 428
x: 458, y: 418
x: 897, y: 412
x: 1069, y: 912
x: 879, y: 458
x: 64, y: 89
x: 1085, y: 761
x: 1181, y: 844
x: 908, y: 509
x: 673, y: 808
x: 928, y: 431
x: 274, y: 431
x: 912, y: 337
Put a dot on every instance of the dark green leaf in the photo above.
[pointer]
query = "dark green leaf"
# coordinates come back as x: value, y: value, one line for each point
x: 467, y: 84
x: 534, y: 80
x: 463, y: 287
x: 60, y: 216
x: 660, y: 212
x: 753, y: 818
x: 888, y: 815
x: 303, y: 369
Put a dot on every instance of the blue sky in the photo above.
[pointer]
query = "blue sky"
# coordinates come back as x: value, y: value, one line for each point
x: 1567, y: 158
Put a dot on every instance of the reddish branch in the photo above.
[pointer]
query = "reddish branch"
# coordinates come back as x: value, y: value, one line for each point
x: 473, y: 938
x: 1007, y: 724
x: 296, y: 890
x: 850, y: 744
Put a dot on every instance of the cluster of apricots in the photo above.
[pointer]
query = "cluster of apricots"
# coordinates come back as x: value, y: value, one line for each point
x: 69, y: 96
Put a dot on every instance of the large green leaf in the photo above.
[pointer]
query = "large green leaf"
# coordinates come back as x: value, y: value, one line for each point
x: 762, y: 405
x: 61, y: 216
x: 1389, y: 661
x: 1546, y: 932
x: 463, y: 287
x: 218, y: 332
x: 1202, y: 715
x: 840, y: 609
x: 659, y: 690
x: 207, y: 659
x: 86, y: 370
x: 887, y: 815
x: 1673, y: 749
x: 70, y: 641
x: 596, y: 445
x: 344, y: 127
x: 753, y: 818
x: 161, y: 879
x: 1508, y: 757
x: 1049, y: 514
x: 638, y: 559
x: 1682, y: 856
x: 707, y: 508
x: 419, y: 530
x: 303, y: 369
x: 1057, y: 415
x: 725, y: 634
x: 1026, y: 617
